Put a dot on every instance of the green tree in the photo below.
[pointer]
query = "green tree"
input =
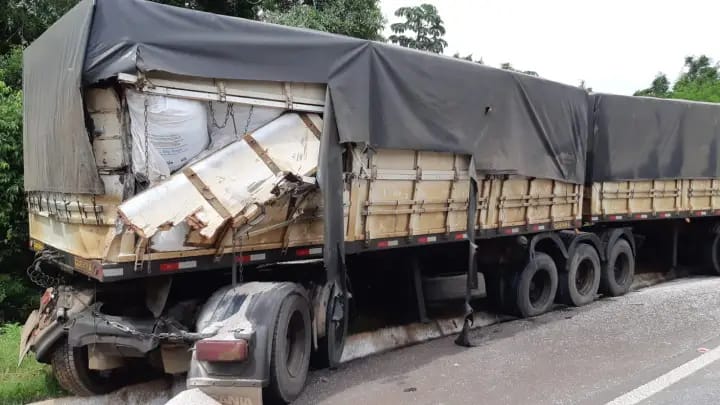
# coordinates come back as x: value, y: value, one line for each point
x: 468, y: 58
x: 23, y: 21
x: 699, y: 81
x: 508, y: 66
x: 660, y: 87
x: 16, y: 294
x: 354, y: 18
x: 422, y: 29
x: 11, y: 67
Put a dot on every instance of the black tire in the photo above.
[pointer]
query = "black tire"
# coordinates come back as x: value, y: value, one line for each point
x: 330, y: 346
x: 712, y: 255
x: 578, y: 285
x: 70, y: 367
x: 290, y: 353
x: 619, y: 269
x: 499, y: 285
x: 535, y: 286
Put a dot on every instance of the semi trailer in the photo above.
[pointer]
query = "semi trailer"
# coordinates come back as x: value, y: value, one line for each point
x: 229, y: 199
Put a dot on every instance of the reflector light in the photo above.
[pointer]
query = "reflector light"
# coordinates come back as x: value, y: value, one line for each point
x: 221, y: 350
x: 46, y: 297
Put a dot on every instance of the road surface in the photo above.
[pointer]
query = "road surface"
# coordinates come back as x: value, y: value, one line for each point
x: 656, y: 346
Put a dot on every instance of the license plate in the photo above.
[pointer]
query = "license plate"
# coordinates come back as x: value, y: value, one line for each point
x: 37, y: 245
x: 83, y: 266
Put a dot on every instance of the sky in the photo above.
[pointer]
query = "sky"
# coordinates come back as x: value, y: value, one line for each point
x: 615, y: 46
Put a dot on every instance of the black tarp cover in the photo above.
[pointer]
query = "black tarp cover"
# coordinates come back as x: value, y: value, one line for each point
x: 382, y: 95
x: 57, y: 152
x: 637, y: 138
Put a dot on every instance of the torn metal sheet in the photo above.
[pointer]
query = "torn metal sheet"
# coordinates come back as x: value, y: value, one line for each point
x: 233, y: 184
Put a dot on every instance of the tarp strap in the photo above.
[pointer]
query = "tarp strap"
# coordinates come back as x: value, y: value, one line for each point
x: 463, y: 338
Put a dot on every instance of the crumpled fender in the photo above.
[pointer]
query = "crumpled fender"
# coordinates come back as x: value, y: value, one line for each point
x: 248, y: 310
x: 42, y: 328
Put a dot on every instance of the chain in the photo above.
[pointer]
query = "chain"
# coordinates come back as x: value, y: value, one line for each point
x: 165, y: 336
x: 228, y: 113
x: 147, y: 142
x: 237, y: 265
x: 38, y: 275
x: 247, y: 123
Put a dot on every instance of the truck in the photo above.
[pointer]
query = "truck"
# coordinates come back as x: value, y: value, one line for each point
x: 231, y: 200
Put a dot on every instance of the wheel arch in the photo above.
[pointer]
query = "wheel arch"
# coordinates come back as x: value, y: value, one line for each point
x: 552, y: 244
x: 588, y: 239
x: 611, y: 236
x: 254, y: 304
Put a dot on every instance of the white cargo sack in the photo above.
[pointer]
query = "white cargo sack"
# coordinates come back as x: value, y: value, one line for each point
x: 176, y: 128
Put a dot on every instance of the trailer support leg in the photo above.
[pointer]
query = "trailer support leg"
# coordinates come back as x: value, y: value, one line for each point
x: 419, y: 294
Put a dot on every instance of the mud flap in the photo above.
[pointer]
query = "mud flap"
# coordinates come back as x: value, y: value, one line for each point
x: 30, y: 324
x: 248, y: 310
x: 463, y: 338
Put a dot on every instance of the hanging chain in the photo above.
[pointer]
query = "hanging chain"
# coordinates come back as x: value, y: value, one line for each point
x: 147, y: 142
x: 228, y: 113
x: 237, y: 267
x: 247, y: 124
x: 40, y: 276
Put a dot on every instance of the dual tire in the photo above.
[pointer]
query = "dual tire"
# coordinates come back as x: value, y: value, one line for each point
x: 532, y: 291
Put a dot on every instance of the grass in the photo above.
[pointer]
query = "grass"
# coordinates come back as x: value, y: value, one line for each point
x: 31, y: 381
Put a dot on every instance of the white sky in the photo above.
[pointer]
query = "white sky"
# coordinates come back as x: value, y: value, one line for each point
x: 616, y: 46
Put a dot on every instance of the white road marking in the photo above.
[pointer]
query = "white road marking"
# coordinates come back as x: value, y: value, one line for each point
x: 644, y: 392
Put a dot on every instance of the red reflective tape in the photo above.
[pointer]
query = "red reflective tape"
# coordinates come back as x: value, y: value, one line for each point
x: 165, y: 267
x: 251, y: 258
x: 302, y: 252
x: 423, y: 239
x: 615, y: 217
x: 460, y: 236
x: 387, y: 243
x: 382, y: 244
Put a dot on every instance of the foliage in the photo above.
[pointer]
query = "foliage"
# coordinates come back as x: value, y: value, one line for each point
x: 424, y: 27
x: 699, y: 81
x: 508, y: 66
x: 23, y: 21
x: 660, y: 87
x: 31, y: 381
x: 468, y: 58
x: 11, y: 67
x: 355, y: 18
x: 16, y: 294
x: 12, y: 204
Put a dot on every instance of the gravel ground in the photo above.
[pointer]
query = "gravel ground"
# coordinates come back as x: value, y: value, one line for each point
x: 587, y: 355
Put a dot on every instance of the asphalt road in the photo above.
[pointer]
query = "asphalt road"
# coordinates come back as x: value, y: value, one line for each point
x: 654, y: 346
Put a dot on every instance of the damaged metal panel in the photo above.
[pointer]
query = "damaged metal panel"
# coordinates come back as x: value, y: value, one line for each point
x: 231, y: 187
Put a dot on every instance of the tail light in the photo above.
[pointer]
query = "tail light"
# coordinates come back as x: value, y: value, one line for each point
x: 46, y: 297
x: 221, y: 350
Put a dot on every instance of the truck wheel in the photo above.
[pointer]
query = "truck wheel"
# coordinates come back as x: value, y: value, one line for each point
x: 70, y: 367
x: 499, y: 292
x: 618, y: 272
x: 330, y: 346
x: 535, y: 286
x: 290, y: 356
x: 712, y: 253
x: 579, y: 284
